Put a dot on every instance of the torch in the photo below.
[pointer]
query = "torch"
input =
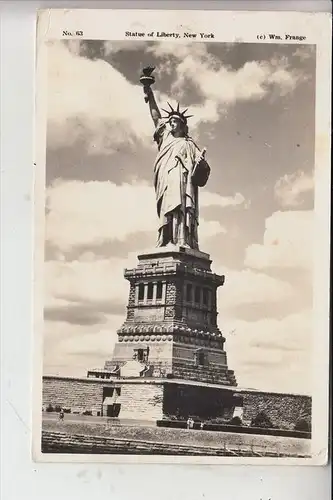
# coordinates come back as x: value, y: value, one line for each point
x: 146, y: 79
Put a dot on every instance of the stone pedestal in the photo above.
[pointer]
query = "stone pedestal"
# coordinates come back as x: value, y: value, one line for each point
x: 171, y: 324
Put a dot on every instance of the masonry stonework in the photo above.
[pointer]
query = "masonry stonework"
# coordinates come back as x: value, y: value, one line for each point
x: 176, y: 328
x: 80, y: 395
x: 74, y: 393
x: 145, y: 400
x: 148, y: 400
x: 284, y: 410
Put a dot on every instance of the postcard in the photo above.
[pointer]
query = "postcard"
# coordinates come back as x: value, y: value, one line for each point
x: 182, y: 214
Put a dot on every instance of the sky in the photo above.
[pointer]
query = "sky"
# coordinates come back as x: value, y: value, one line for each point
x: 253, y: 107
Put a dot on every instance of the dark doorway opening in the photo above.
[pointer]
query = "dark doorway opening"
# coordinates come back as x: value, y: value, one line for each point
x: 113, y: 410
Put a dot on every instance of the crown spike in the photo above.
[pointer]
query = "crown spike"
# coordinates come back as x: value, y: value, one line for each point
x: 175, y: 112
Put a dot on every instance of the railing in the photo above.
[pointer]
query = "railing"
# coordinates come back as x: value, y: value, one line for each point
x: 239, y: 429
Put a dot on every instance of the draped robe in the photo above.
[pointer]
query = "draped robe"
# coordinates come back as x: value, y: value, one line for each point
x: 176, y: 195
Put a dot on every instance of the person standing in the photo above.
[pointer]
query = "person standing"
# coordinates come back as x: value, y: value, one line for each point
x: 61, y: 415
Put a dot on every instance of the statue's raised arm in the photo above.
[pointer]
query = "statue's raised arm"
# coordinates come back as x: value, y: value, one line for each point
x: 147, y: 81
x: 154, y: 111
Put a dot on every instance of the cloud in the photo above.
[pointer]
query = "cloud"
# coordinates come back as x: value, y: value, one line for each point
x: 82, y: 213
x: 83, y: 92
x: 94, y: 212
x: 85, y: 304
x: 213, y: 199
x: 305, y: 52
x: 88, y: 281
x: 178, y: 50
x: 219, y: 83
x: 272, y: 354
x: 87, y: 290
x: 77, y: 314
x: 287, y: 242
x: 290, y: 188
x: 71, y: 349
x: 113, y: 47
x: 210, y: 228
x: 100, y: 343
x: 248, y: 287
x: 99, y: 49
x: 84, y: 103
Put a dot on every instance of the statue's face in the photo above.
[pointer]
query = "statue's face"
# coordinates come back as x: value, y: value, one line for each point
x: 176, y: 126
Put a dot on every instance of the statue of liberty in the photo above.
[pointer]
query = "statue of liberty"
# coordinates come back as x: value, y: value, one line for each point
x: 180, y: 168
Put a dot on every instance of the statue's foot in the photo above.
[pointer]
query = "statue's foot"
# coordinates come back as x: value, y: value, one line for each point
x: 170, y: 246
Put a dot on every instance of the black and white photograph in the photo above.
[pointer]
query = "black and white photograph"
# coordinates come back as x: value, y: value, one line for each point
x: 179, y: 246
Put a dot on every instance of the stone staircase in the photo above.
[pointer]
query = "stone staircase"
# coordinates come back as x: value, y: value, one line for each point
x: 60, y: 442
x: 204, y: 374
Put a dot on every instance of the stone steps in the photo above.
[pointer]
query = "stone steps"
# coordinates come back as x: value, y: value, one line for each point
x: 203, y: 375
x: 60, y: 442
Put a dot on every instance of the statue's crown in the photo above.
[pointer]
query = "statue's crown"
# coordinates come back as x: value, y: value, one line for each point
x: 176, y: 113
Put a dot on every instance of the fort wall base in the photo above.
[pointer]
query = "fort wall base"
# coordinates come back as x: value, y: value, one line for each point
x: 151, y: 400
